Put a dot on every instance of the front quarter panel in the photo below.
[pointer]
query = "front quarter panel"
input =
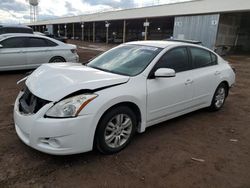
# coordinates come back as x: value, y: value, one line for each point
x: 133, y: 91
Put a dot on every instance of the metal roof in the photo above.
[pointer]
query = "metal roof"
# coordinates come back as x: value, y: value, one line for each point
x: 176, y: 9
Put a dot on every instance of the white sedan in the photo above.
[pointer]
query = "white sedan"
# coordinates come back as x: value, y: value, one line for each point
x: 28, y: 51
x: 71, y: 108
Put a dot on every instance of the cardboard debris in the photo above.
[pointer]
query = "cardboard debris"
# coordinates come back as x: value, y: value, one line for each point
x: 233, y: 140
x: 199, y: 160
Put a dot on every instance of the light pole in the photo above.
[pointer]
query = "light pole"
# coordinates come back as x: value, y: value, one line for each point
x: 146, y: 25
x: 65, y: 32
x: 58, y: 31
x: 82, y: 26
x: 107, y: 24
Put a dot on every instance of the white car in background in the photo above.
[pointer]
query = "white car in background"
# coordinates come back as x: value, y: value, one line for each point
x: 71, y: 108
x: 28, y: 51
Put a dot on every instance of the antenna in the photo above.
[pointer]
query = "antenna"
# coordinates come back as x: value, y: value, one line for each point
x: 33, y: 10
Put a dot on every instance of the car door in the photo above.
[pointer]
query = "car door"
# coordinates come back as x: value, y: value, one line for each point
x: 12, y: 53
x: 169, y: 96
x: 205, y: 73
x: 38, y: 51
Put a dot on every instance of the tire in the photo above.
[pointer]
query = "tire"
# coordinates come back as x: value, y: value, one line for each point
x: 57, y: 60
x: 115, y: 130
x: 219, y: 97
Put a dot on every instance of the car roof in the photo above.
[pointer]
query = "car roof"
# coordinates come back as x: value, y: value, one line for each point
x: 24, y: 35
x: 160, y: 43
x: 20, y: 34
x: 185, y: 41
x: 8, y: 35
x: 14, y: 26
x: 165, y: 44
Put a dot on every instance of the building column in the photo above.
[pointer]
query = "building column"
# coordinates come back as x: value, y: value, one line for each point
x: 107, y: 32
x: 93, y: 31
x: 146, y: 24
x: 73, y: 26
x: 82, y: 26
x: 65, y: 32
x: 58, y: 30
x: 89, y: 33
x: 124, y: 31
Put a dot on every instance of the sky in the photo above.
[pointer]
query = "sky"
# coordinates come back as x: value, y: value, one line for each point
x: 18, y: 11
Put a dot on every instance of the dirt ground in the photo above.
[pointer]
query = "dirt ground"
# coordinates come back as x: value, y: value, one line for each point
x: 160, y: 157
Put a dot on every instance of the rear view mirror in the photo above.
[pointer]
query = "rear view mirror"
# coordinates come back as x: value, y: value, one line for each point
x: 164, y: 72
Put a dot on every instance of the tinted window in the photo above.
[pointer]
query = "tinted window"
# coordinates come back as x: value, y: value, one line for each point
x: 214, y: 58
x: 202, y: 58
x: 50, y: 43
x: 37, y: 42
x: 176, y: 59
x: 15, y: 42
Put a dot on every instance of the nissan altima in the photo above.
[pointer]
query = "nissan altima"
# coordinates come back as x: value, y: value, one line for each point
x: 28, y: 51
x: 72, y: 108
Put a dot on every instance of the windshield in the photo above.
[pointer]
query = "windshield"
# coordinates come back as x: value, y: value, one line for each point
x: 127, y: 60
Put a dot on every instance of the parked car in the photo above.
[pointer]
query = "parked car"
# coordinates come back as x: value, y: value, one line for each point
x: 71, y: 108
x: 15, y: 29
x: 28, y: 51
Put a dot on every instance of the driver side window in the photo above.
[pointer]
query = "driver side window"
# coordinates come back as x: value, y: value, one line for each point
x: 176, y: 59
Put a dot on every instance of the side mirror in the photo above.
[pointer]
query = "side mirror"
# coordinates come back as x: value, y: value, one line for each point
x: 1, y: 46
x: 164, y: 72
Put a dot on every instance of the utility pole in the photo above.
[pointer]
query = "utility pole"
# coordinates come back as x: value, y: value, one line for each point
x: 82, y: 26
x: 146, y: 25
x: 107, y: 31
x: 124, y: 31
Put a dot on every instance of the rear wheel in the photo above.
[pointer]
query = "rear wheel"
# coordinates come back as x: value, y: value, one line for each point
x: 57, y: 60
x: 219, y: 97
x: 115, y: 130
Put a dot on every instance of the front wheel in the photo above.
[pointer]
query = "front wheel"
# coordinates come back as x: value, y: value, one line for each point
x: 115, y: 130
x: 219, y: 97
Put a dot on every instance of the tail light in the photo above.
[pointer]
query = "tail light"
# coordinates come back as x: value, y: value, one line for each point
x: 74, y: 51
x: 234, y: 70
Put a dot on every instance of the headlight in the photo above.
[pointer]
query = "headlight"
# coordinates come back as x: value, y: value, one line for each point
x: 70, y: 107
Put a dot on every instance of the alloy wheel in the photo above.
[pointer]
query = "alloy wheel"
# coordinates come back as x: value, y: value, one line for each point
x: 118, y: 130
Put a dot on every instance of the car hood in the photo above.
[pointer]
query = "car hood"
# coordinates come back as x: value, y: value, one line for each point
x: 53, y: 82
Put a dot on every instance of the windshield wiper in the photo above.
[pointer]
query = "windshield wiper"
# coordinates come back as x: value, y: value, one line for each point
x: 105, y: 70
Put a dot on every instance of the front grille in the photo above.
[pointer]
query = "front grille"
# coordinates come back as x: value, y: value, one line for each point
x: 29, y: 103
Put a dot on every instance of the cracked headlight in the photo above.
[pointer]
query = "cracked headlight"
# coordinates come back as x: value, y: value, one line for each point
x: 70, y: 107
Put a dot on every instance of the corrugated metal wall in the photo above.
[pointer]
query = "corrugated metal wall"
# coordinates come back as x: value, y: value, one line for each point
x: 201, y: 28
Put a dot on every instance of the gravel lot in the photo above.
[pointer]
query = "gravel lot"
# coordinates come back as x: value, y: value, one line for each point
x: 160, y: 157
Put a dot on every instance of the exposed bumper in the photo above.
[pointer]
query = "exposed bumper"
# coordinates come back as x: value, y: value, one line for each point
x: 54, y: 136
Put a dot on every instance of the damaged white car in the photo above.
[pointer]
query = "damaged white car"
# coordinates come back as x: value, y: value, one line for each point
x: 71, y: 108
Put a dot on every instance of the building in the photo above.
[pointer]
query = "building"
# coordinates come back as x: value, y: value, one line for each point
x: 217, y: 24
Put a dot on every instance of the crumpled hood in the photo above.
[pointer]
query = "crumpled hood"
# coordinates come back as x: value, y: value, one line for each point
x: 53, y: 82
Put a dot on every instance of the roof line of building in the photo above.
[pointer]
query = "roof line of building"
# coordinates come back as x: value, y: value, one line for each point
x: 175, y: 9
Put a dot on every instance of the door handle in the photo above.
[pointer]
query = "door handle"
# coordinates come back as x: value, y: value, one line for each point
x: 217, y: 73
x: 189, y: 81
